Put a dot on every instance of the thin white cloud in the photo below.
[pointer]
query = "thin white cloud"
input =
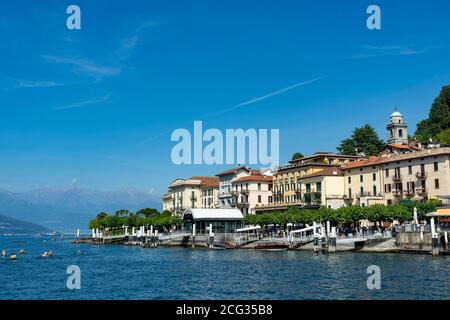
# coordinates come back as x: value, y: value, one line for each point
x: 128, y: 44
x: 20, y: 83
x: 85, y: 66
x: 103, y: 99
x: 372, y: 51
x: 27, y: 84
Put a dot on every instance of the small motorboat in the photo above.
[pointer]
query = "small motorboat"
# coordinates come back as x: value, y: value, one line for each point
x: 21, y: 251
x: 80, y: 252
x: 4, y: 253
x: 12, y: 257
x: 272, y: 247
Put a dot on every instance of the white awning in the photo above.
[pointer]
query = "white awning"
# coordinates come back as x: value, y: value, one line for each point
x: 248, y: 229
x: 214, y: 214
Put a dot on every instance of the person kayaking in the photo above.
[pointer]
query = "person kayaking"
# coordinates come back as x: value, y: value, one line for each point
x: 47, y: 254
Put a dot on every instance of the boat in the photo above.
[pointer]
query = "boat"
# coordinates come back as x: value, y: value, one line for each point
x: 21, y: 251
x: 272, y: 247
x: 47, y: 254
x: 4, y: 253
x: 12, y: 257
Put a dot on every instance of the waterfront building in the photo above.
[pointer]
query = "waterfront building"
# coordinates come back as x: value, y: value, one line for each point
x: 187, y: 193
x: 167, y: 201
x: 323, y: 188
x: 388, y: 179
x: 287, y: 180
x: 226, y: 198
x: 251, y: 191
x: 209, y: 193
x: 222, y: 220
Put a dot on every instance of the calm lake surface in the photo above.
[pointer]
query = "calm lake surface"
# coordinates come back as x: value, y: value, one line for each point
x: 125, y: 272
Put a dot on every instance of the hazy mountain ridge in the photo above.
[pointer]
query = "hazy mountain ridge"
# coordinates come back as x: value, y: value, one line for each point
x: 13, y: 226
x: 71, y: 208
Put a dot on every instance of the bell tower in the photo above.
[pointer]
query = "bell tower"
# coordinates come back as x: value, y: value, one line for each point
x: 397, y: 129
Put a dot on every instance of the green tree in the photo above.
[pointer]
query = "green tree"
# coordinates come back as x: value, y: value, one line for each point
x: 438, y: 118
x: 297, y: 155
x: 364, y: 139
x: 122, y: 212
x: 147, y: 212
x: 444, y: 136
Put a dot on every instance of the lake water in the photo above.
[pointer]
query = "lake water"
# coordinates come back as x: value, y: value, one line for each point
x: 125, y: 272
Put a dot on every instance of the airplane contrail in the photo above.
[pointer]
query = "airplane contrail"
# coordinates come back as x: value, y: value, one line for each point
x: 264, y: 97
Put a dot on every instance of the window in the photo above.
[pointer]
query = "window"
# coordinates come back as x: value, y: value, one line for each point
x: 349, y: 192
x: 349, y: 179
x: 436, y: 183
x: 361, y: 191
x: 319, y: 186
x: 374, y: 176
x: 259, y: 186
x: 400, y: 132
x: 387, y: 172
x: 361, y: 178
x: 410, y: 169
x: 259, y: 199
x: 374, y: 189
x: 270, y: 199
x: 436, y: 167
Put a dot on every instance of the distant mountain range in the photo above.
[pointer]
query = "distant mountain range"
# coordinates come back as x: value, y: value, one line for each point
x: 12, y: 226
x: 65, y: 210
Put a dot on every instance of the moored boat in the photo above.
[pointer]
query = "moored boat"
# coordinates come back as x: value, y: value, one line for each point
x: 272, y: 247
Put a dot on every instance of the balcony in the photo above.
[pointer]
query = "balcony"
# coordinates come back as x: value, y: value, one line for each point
x: 193, y: 198
x: 244, y: 191
x: 421, y: 190
x: 242, y: 204
x: 409, y: 192
x: 397, y: 178
x: 225, y: 194
x: 397, y: 193
x: 369, y: 195
x: 421, y: 175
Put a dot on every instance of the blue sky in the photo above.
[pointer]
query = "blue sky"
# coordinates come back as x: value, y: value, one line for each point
x: 95, y: 107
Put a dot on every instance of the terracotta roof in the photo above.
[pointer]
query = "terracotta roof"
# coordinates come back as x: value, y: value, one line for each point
x: 332, y: 171
x: 401, y: 146
x: 324, y: 154
x: 255, y: 178
x: 397, y: 157
x: 207, y: 182
x: 232, y: 171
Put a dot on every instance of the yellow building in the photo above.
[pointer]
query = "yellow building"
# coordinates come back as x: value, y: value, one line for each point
x: 287, y: 180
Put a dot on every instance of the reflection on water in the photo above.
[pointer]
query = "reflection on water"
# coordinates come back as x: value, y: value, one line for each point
x: 123, y: 272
